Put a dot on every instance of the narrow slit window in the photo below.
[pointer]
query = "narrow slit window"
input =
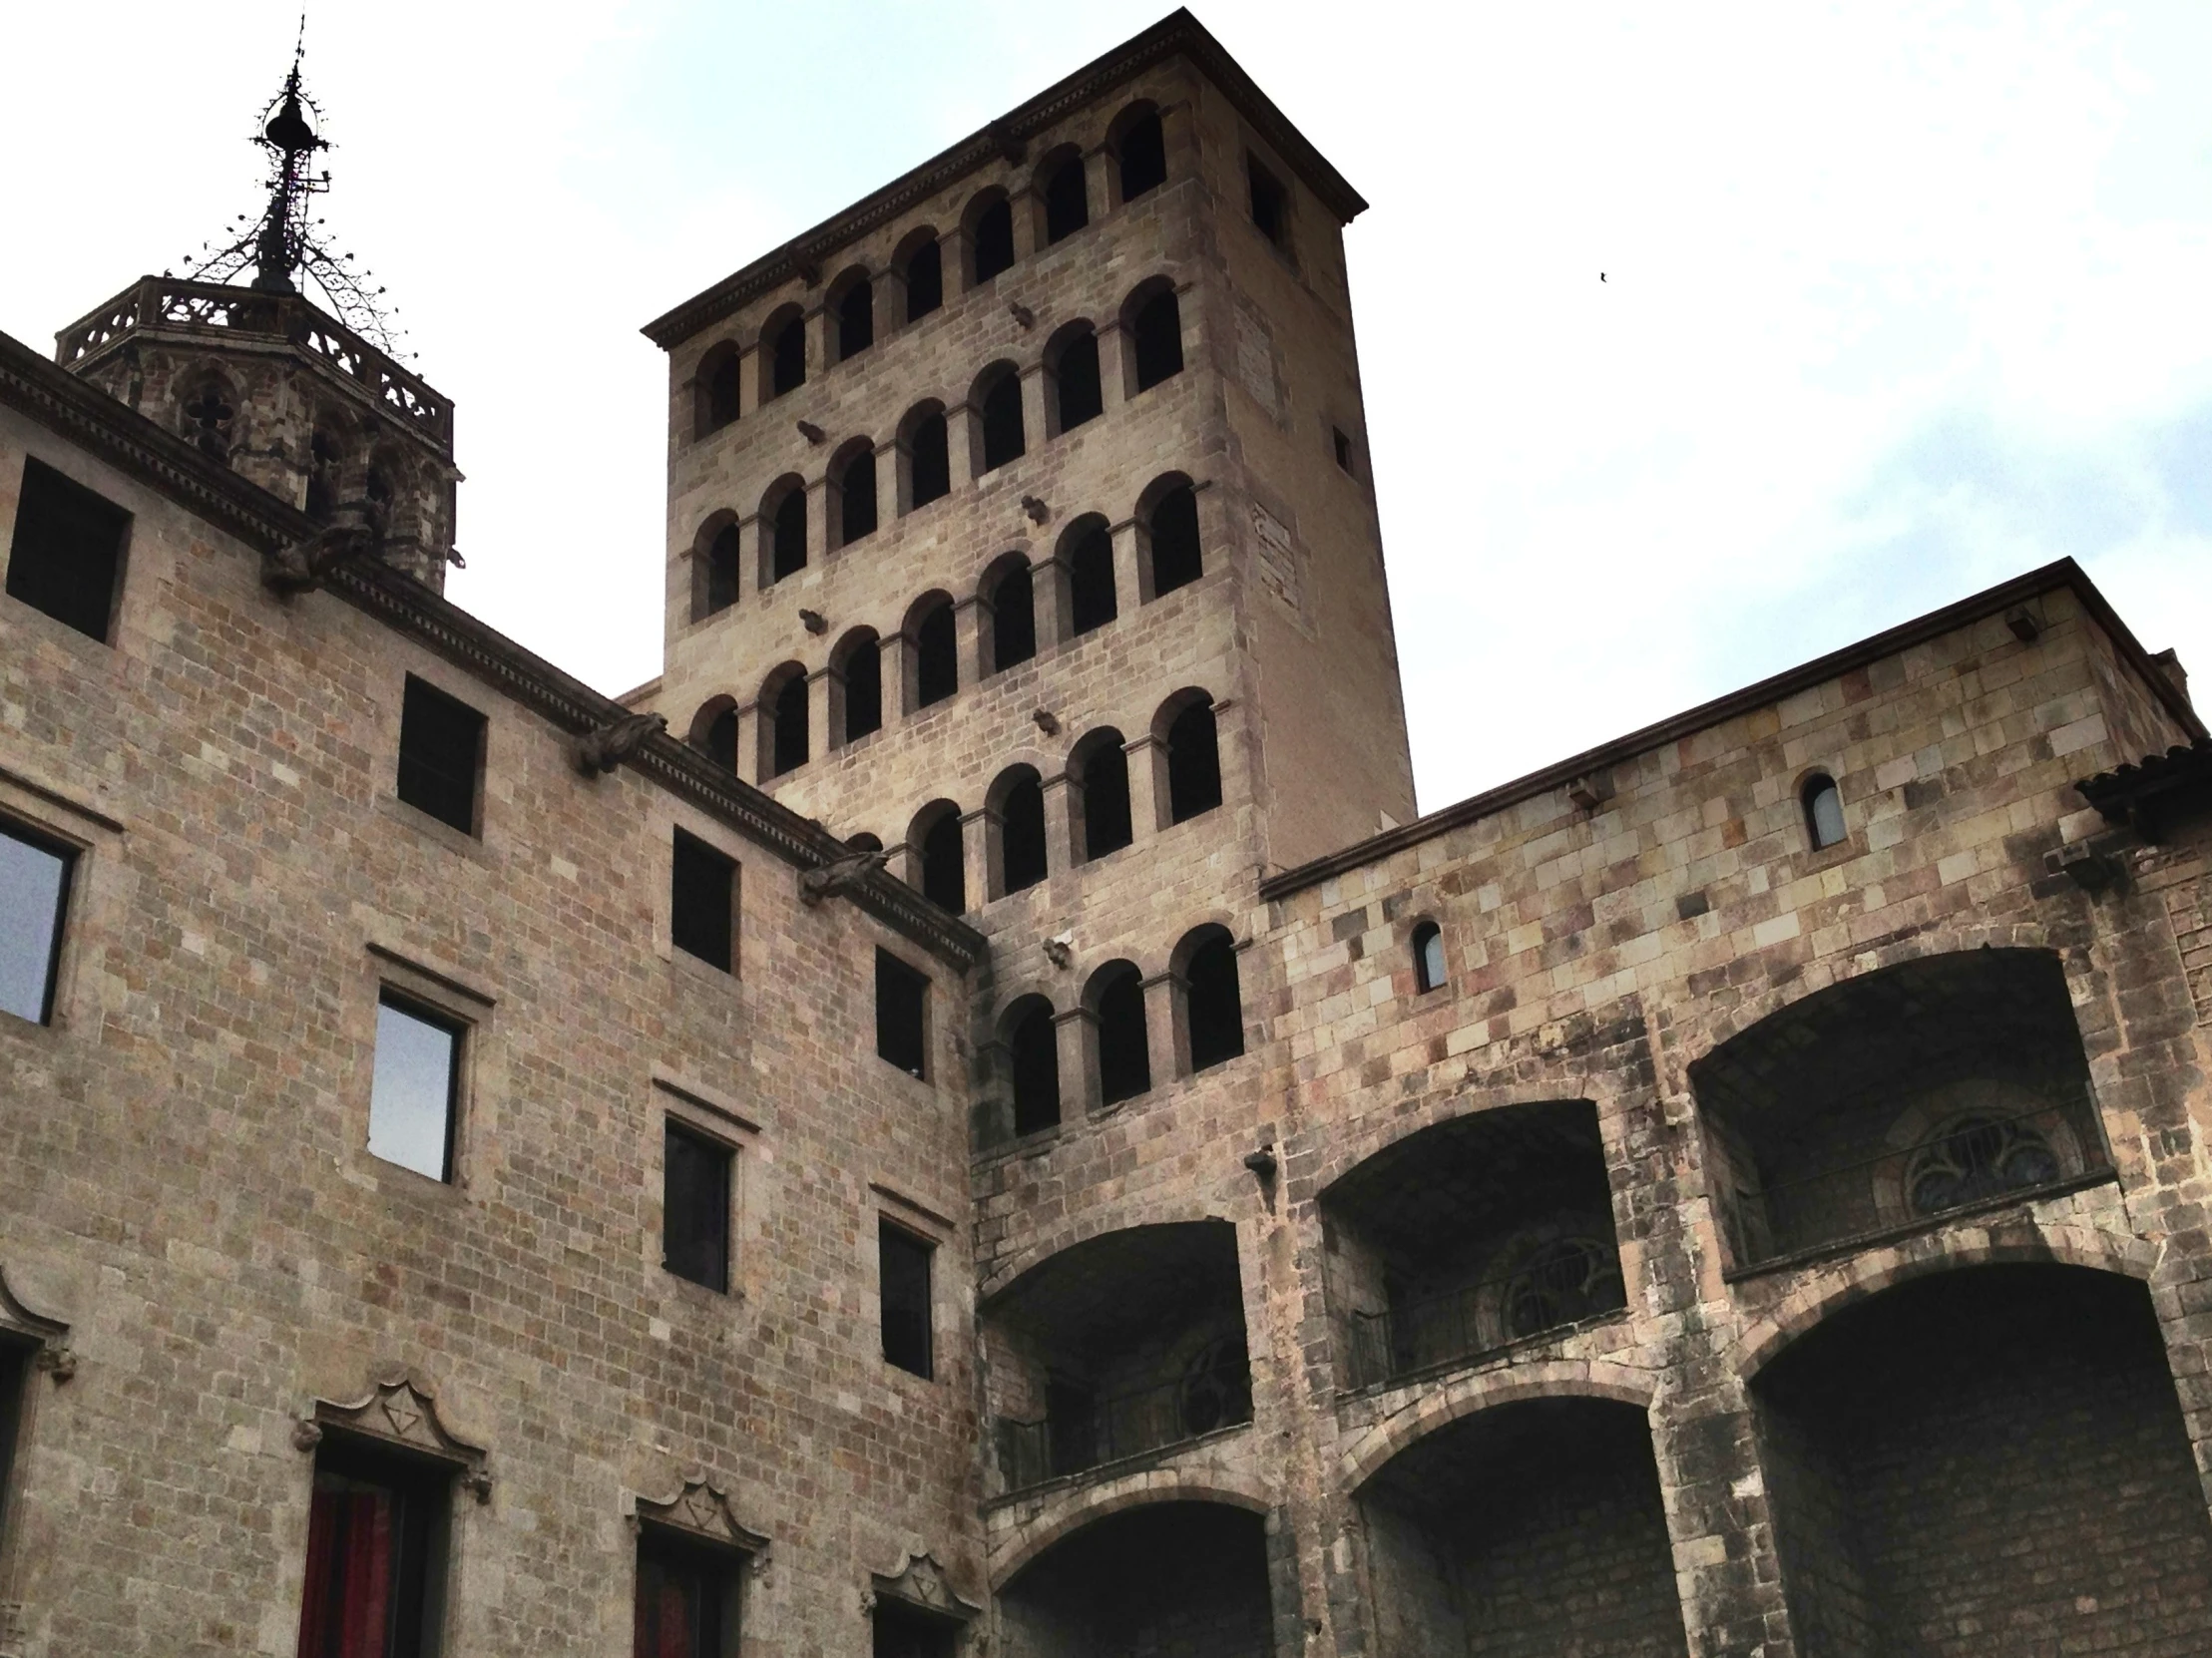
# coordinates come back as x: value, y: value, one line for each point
x: 441, y: 755
x: 1067, y: 207
x: 863, y: 689
x: 1092, y: 599
x: 944, y: 859
x: 856, y: 320
x: 925, y: 280
x: 1075, y: 386
x: 376, y: 1525
x: 788, y: 544
x: 1824, y: 819
x: 787, y: 358
x: 1125, y: 1053
x: 856, y: 497
x: 1034, y: 1055
x: 1177, y: 558
x: 1143, y: 156
x: 66, y: 558
x: 1012, y: 620
x: 1343, y: 448
x: 1194, y: 763
x: 902, y: 1015
x: 1022, y: 861
x: 1002, y: 437
x: 994, y: 241
x: 35, y: 875
x: 416, y: 1086
x: 1270, y: 202
x: 703, y: 901
x: 936, y: 658
x: 905, y: 1264
x: 721, y: 571
x: 1428, y: 957
x: 1214, y: 1004
x: 928, y: 455
x: 1158, y: 330
x: 694, y: 1206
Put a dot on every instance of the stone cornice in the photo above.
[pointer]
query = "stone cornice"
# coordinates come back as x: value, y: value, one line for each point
x: 1176, y: 34
x: 134, y: 445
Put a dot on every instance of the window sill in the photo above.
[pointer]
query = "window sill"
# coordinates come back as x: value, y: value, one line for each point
x: 432, y: 828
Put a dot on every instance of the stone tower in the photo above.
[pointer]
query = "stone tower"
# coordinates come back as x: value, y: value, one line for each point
x: 1020, y: 525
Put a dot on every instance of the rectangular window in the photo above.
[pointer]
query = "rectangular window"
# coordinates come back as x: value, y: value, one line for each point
x: 686, y: 1598
x: 1343, y: 448
x: 904, y: 1260
x: 15, y: 1372
x: 441, y: 755
x: 694, y: 1206
x: 416, y: 1086
x: 903, y: 1631
x: 902, y: 1015
x: 67, y: 554
x: 702, y: 900
x: 1270, y: 202
x: 34, y: 898
x: 376, y: 1539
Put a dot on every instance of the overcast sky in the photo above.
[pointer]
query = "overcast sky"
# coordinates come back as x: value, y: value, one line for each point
x: 1898, y: 300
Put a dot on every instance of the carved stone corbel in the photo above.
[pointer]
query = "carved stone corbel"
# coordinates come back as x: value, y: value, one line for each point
x: 356, y: 532
x: 400, y: 1412
x: 837, y: 877
x: 602, y: 748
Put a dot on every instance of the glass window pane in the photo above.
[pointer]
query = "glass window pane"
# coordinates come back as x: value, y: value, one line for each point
x: 34, y: 881
x: 1827, y: 810
x: 411, y: 1098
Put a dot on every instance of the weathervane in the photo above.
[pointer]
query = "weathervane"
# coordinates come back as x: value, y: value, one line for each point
x: 283, y: 243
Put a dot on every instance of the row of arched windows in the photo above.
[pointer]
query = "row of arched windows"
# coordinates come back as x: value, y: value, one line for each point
x: 1082, y: 595
x: 1204, y: 1007
x: 1060, y: 194
x: 919, y: 459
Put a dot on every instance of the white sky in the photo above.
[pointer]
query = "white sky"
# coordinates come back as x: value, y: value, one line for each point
x: 1900, y: 300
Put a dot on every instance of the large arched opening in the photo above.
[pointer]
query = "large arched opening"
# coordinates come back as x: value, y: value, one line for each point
x: 1164, y: 1579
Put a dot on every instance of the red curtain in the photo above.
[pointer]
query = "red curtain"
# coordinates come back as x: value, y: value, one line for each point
x: 347, y: 1605
x: 666, y: 1619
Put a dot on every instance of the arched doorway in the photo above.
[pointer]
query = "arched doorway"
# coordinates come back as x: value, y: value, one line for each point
x: 1164, y: 1579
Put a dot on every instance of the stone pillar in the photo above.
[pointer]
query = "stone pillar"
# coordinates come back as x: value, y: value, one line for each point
x: 1029, y: 228
x: 1053, y: 602
x: 1147, y: 787
x: 1132, y: 580
x: 1060, y: 851
x: 817, y: 523
x: 1077, y: 1036
x: 968, y: 628
x: 974, y: 851
x: 1116, y: 365
x: 964, y: 441
x: 816, y: 323
x: 1164, y: 1041
x: 752, y: 370
x: 1035, y: 385
x: 1717, y: 1519
x: 818, y: 715
x: 748, y: 742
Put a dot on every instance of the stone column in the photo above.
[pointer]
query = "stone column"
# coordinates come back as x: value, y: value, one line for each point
x: 1164, y: 1041
x: 1060, y: 851
x: 1116, y: 367
x: 818, y: 715
x: 975, y: 855
x: 1077, y: 1034
x: 968, y: 628
x: 1131, y: 581
x: 1147, y: 787
x: 964, y: 442
x: 748, y: 742
x: 1034, y: 388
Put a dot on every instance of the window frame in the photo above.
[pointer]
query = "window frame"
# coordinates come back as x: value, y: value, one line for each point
x: 69, y: 853
x: 925, y: 1249
x: 462, y: 1030
x: 364, y: 1460
x: 675, y: 1126
x: 39, y: 476
x: 1427, y: 932
x: 433, y: 693
x: 719, y: 1568
x: 895, y: 970
x: 1810, y: 788
x: 684, y: 843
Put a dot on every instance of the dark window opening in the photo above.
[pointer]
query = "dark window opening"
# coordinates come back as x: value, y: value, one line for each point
x: 1158, y: 331
x: 1143, y: 156
x: 1075, y: 382
x: 788, y: 548
x: 376, y: 1525
x: 1176, y: 560
x: 1092, y: 603
x: 1824, y: 821
x: 721, y: 571
x: 1343, y: 447
x: 207, y: 416
x: 695, y: 1207
x: 1067, y: 207
x: 1105, y: 781
x: 856, y: 320
x: 722, y: 391
x: 787, y: 358
x: 787, y: 727
x: 1428, y: 957
x: 702, y: 900
x: 325, y: 457
x: 441, y: 755
x: 1035, y: 1054
x: 687, y: 1599
x: 67, y: 554
x: 1194, y: 763
x: 905, y: 1262
x: 863, y: 689
x: 929, y: 457
x: 415, y: 1087
x: 720, y: 741
x: 1124, y: 1054
x: 909, y: 1632
x: 1215, y: 1006
x: 1013, y: 619
x: 902, y: 1003
x: 994, y: 241
x: 925, y: 280
x: 856, y: 498
x: 936, y: 658
x: 1270, y: 202
x: 15, y: 1374
x: 34, y: 901
x: 1003, y: 439
x: 1022, y: 835
x: 943, y: 865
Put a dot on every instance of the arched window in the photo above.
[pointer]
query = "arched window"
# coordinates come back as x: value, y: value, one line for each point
x: 853, y: 302
x: 718, y: 387
x: 1087, y: 550
x: 714, y: 731
x: 1156, y: 328
x: 1116, y: 998
x: 1213, y: 1006
x: 1428, y: 957
x: 1193, y: 756
x: 1010, y: 610
x: 783, y: 542
x: 857, y: 684
x: 1974, y: 1158
x: 1067, y: 201
x: 936, y: 838
x: 999, y: 397
x: 209, y: 412
x: 1171, y: 538
x: 990, y: 235
x: 784, y: 339
x: 1139, y: 150
x: 852, y: 478
x: 1033, y: 1054
x: 325, y: 472
x: 921, y: 266
x: 783, y: 720
x: 1099, y: 768
x: 1018, y: 829
x: 715, y: 586
x: 864, y: 842
x: 1823, y: 803
x: 928, y: 457
x: 936, y: 650
x: 1071, y: 363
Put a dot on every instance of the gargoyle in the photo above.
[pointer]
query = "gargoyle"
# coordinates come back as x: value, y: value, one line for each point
x: 356, y: 532
x: 838, y: 876
x: 605, y: 747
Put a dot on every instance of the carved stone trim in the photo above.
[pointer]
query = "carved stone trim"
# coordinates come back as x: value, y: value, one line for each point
x: 921, y: 1582
x: 402, y: 1412
x: 49, y: 1336
x: 701, y: 1509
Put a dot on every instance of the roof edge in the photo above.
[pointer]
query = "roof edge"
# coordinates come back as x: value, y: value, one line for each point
x: 1178, y: 32
x: 2062, y: 573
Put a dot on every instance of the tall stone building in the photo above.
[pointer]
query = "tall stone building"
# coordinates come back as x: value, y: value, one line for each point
x: 971, y: 1115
